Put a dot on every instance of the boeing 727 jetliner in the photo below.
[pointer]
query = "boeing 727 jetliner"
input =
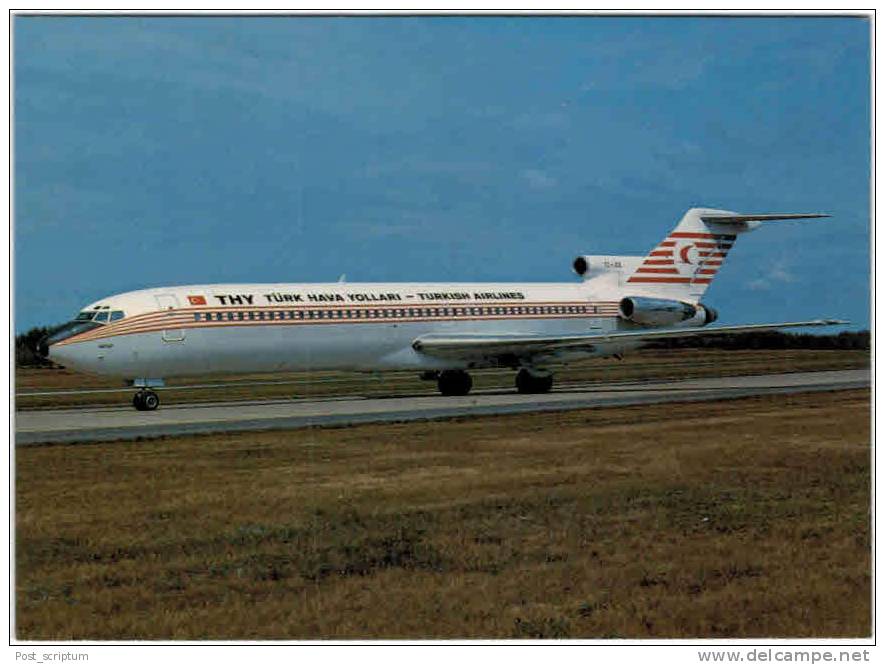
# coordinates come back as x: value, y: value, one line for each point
x: 439, y: 330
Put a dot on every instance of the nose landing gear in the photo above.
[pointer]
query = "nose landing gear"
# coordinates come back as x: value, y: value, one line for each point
x: 146, y: 400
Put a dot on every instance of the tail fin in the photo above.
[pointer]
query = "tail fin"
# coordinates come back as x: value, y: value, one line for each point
x: 684, y: 263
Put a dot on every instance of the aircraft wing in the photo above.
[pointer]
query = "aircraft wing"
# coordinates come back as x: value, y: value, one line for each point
x: 484, y: 345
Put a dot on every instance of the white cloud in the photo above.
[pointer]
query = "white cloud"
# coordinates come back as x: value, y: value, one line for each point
x: 538, y: 179
x: 777, y: 273
x: 758, y: 284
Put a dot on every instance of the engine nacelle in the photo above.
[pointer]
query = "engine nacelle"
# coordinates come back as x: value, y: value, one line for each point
x: 581, y: 265
x: 709, y: 314
x: 662, y: 312
x: 593, y: 266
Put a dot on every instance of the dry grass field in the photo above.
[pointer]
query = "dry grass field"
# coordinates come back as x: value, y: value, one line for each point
x: 746, y: 518
x: 642, y: 365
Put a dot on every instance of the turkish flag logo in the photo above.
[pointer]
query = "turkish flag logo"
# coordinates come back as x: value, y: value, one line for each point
x: 196, y: 300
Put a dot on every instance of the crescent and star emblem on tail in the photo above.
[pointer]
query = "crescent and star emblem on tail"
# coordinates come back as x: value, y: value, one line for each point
x: 683, y: 253
x: 686, y: 255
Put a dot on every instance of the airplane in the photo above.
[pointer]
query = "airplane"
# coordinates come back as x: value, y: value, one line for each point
x: 441, y: 330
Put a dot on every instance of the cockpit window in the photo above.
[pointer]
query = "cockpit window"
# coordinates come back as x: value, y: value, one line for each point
x: 100, y: 316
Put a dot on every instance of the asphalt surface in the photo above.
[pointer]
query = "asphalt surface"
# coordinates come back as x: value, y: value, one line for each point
x: 123, y: 423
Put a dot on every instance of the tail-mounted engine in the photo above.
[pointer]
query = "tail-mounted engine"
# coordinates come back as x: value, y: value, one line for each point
x: 661, y: 312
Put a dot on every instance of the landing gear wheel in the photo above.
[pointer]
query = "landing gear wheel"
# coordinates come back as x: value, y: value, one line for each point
x: 150, y: 400
x: 529, y: 384
x: 146, y: 400
x: 454, y: 382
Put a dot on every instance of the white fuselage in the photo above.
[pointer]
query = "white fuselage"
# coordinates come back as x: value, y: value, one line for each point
x: 234, y: 328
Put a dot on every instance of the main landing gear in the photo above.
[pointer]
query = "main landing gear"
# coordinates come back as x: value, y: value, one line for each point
x: 533, y: 384
x: 454, y: 382
x: 146, y: 400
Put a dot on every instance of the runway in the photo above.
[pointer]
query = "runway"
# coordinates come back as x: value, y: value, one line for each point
x: 124, y: 423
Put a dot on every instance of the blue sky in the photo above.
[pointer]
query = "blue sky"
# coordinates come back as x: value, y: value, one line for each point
x: 157, y: 151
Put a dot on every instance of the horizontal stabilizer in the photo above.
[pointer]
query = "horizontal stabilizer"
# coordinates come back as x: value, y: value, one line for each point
x: 724, y: 218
